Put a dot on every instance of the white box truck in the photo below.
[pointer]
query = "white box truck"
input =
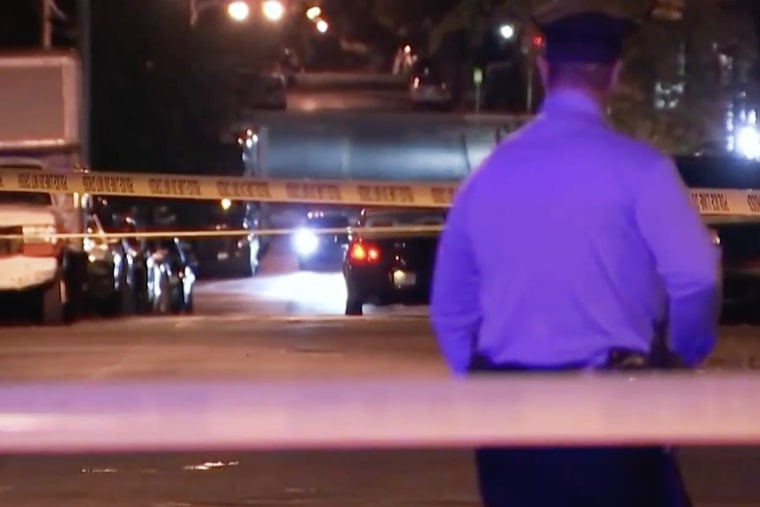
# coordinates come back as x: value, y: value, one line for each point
x: 40, y: 120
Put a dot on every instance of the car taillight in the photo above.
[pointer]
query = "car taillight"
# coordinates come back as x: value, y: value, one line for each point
x: 363, y: 252
x: 40, y: 241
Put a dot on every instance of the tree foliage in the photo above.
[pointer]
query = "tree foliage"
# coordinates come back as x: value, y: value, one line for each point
x: 685, y: 53
x: 409, y: 16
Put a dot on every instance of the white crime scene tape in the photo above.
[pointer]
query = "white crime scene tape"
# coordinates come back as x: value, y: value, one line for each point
x: 582, y: 409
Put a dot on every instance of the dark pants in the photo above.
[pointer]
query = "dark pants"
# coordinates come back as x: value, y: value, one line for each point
x: 575, y: 477
x: 578, y: 477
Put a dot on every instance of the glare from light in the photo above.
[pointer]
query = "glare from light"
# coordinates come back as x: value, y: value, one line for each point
x: 273, y: 10
x: 715, y: 237
x: 313, y: 12
x: 407, y: 49
x: 748, y: 142
x: 507, y: 31
x: 238, y: 10
x: 226, y: 204
x: 322, y: 26
x: 305, y: 242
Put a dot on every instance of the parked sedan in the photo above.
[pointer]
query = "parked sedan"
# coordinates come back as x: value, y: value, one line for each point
x: 171, y: 276
x: 272, y: 91
x: 385, y: 268
x: 427, y: 88
x: 113, y: 282
x: 740, y: 251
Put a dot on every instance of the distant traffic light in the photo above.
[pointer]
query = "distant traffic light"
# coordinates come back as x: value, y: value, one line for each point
x: 538, y: 41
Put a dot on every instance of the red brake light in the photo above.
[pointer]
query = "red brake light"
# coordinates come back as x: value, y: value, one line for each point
x: 361, y: 251
x: 538, y: 41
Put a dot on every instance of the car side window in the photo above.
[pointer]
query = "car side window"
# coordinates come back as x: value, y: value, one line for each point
x: 176, y: 251
x: 133, y: 241
x: 380, y: 222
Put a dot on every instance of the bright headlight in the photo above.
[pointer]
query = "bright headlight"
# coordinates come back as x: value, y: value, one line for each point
x: 748, y: 142
x: 305, y: 242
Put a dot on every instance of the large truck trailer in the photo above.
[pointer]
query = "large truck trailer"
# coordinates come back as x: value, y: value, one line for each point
x: 40, y: 131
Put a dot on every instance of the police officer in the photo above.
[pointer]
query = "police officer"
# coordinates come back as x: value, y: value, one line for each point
x: 570, y: 242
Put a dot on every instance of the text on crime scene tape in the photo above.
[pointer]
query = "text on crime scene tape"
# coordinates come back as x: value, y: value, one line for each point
x: 727, y: 202
x: 355, y: 193
x: 352, y: 193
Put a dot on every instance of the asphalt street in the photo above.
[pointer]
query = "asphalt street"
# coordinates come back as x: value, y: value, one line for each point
x: 271, y: 327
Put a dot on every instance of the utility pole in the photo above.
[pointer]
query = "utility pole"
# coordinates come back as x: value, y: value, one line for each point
x: 193, y: 12
x: 46, y: 24
x: 84, y: 42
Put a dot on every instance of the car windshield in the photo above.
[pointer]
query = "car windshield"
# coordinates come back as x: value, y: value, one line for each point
x: 170, y: 245
x: 328, y: 222
x: 405, y: 218
x: 211, y: 214
x: 33, y: 198
x: 428, y: 72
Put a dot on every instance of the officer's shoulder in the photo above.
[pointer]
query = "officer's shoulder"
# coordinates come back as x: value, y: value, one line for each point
x: 490, y: 167
x: 638, y: 154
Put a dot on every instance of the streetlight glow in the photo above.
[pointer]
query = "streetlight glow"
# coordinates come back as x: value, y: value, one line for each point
x: 507, y: 31
x: 313, y: 12
x: 322, y: 26
x: 238, y: 10
x: 273, y: 10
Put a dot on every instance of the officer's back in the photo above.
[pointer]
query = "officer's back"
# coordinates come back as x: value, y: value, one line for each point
x: 557, y: 231
x: 570, y: 244
x: 571, y: 239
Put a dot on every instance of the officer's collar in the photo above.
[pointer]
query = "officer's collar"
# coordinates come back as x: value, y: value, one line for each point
x: 572, y: 101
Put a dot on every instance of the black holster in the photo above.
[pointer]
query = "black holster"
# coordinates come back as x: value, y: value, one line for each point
x: 658, y: 358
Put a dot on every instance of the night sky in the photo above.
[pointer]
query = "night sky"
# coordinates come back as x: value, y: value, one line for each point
x: 142, y: 117
x: 156, y: 83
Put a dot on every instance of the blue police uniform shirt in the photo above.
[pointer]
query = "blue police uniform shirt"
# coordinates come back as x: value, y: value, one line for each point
x: 569, y: 240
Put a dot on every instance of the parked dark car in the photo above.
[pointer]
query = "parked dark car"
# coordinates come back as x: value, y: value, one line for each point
x: 223, y: 255
x: 391, y: 267
x: 740, y: 252
x: 171, y: 276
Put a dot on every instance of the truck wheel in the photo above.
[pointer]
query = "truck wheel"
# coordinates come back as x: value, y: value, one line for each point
x: 247, y: 270
x: 162, y: 305
x: 75, y: 276
x: 51, y: 304
x: 354, y: 307
x: 128, y: 304
x: 189, y: 306
x: 142, y: 296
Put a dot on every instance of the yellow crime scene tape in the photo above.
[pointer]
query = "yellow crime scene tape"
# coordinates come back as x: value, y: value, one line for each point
x: 355, y: 193
x: 715, y: 205
x: 366, y: 232
x: 711, y: 202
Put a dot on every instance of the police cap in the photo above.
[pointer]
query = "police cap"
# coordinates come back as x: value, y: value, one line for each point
x: 582, y: 32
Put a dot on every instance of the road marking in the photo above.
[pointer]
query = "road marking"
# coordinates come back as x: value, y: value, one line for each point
x: 288, y: 318
x: 189, y: 320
